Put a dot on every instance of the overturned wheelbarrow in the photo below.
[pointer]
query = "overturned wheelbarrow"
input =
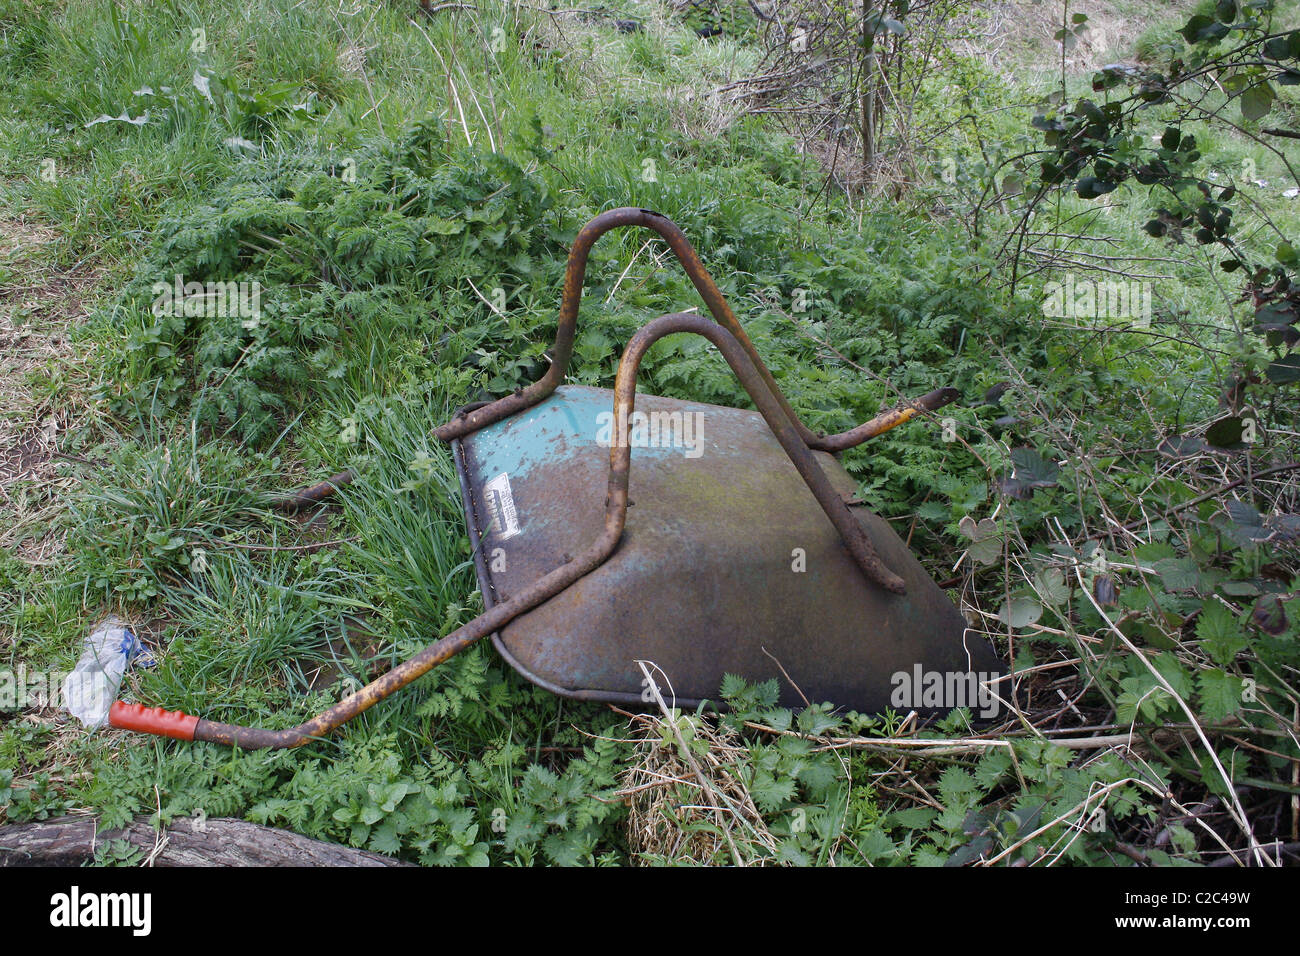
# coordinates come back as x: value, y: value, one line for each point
x: 743, y: 552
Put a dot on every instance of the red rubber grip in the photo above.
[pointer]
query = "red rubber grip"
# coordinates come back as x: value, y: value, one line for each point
x: 152, y: 720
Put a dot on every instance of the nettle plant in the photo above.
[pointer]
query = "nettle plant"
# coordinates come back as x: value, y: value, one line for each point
x: 348, y: 252
x: 1224, y: 71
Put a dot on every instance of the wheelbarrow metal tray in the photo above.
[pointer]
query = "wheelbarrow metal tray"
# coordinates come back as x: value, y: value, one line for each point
x: 727, y: 563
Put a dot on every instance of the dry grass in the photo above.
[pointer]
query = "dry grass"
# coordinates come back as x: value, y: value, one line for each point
x: 588, y: 46
x: 39, y: 399
x: 814, y: 92
x: 686, y: 804
x: 1020, y: 35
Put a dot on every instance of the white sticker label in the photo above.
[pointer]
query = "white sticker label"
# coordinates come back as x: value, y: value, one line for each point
x: 501, y: 506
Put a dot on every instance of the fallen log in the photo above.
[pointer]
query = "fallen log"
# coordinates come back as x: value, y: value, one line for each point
x: 71, y: 841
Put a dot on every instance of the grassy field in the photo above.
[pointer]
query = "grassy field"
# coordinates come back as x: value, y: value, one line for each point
x: 402, y: 188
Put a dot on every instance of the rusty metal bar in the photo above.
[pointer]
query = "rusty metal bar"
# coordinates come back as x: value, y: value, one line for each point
x: 479, y: 414
x: 855, y: 538
x: 467, y: 421
x: 851, y: 531
x: 899, y: 415
x: 904, y: 412
x: 254, y: 738
x: 301, y: 498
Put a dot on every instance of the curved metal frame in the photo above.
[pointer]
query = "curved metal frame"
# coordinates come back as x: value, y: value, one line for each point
x: 729, y: 338
x: 575, y: 272
x: 177, y: 724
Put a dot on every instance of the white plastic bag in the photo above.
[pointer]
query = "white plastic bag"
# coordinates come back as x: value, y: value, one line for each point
x: 91, y: 688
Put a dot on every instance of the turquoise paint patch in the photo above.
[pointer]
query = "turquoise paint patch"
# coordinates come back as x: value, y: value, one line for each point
x: 568, y: 421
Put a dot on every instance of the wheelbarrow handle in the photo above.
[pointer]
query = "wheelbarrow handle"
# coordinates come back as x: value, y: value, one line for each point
x: 575, y: 272
x: 188, y: 727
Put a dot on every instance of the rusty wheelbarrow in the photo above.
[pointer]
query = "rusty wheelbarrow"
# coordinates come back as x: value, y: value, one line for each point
x: 744, y: 551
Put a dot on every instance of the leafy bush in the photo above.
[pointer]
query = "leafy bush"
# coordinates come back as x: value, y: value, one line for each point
x: 342, y: 263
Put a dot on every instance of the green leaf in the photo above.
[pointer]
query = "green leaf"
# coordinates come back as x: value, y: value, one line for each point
x: 1173, y: 671
x: 815, y: 721
x: 1240, y: 588
x: 1220, y: 694
x: 1090, y: 187
x: 955, y: 783
x: 1278, y: 48
x: 913, y: 818
x: 1178, y: 574
x: 986, y: 546
x: 523, y: 828
x: 818, y: 776
x: 384, y: 839
x: 1220, y: 633
x: 927, y: 855
x: 1226, y: 432
x: 443, y: 227
x: 1203, y: 29
x: 1031, y: 471
x: 876, y: 845
x: 733, y: 685
x: 992, y: 767
x: 1021, y: 611
x: 1257, y: 101
x: 933, y: 511
x: 1141, y: 693
x: 771, y: 793
x: 1285, y: 370
x: 1051, y: 587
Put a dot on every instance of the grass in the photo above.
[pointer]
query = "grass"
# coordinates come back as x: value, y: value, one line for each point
x: 383, y: 174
